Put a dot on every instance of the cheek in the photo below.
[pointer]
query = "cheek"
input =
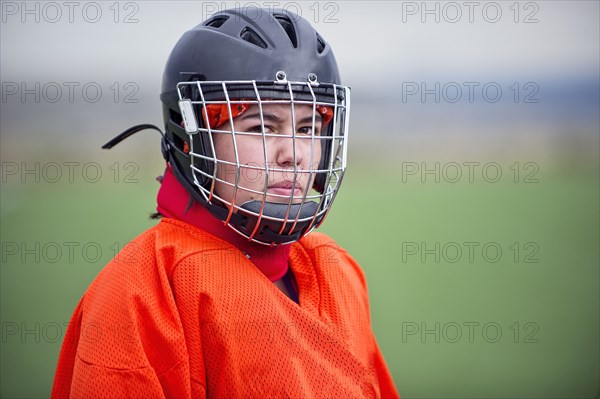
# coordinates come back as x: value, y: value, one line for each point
x: 250, y: 150
x: 318, y: 151
x: 250, y: 154
x: 223, y: 147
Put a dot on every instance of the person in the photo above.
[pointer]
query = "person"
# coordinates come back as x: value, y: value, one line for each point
x: 228, y: 295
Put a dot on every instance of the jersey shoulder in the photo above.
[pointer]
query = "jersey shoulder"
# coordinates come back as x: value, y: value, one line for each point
x: 331, y: 258
x: 144, y: 267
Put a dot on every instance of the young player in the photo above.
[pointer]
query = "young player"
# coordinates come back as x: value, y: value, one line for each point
x: 228, y: 295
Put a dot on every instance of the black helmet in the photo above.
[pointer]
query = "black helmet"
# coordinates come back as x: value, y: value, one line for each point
x: 254, y: 56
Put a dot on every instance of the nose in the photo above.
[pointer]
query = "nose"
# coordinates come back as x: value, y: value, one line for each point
x: 289, y: 152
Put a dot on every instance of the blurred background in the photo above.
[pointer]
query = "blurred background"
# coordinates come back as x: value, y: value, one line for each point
x: 471, y: 198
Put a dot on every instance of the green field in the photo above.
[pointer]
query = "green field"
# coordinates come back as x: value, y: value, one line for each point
x: 478, y: 290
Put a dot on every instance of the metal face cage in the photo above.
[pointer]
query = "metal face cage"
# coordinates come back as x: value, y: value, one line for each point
x: 268, y: 158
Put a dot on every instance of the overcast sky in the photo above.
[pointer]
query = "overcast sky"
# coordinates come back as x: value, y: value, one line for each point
x: 374, y: 40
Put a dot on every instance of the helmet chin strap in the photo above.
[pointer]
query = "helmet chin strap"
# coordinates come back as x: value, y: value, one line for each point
x: 268, y: 229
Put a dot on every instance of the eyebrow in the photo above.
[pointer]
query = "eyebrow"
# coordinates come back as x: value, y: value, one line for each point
x: 275, y: 118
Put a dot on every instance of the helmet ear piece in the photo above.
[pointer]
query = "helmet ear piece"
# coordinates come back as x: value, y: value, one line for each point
x: 193, y: 149
x: 165, y: 148
x: 321, y: 177
x: 319, y: 184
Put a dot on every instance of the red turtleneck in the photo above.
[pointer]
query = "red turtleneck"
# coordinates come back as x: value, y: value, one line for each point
x: 172, y: 202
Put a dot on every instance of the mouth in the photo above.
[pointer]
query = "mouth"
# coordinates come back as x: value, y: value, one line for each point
x: 285, y: 188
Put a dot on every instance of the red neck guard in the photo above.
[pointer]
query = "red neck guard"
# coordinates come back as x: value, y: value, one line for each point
x: 172, y: 202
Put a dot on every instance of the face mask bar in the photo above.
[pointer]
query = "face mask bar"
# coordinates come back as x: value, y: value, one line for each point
x: 318, y: 159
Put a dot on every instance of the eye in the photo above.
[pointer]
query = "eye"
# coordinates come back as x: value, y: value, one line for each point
x: 258, y: 129
x: 308, y: 130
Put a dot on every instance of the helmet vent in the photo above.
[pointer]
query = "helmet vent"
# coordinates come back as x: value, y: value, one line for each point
x: 251, y: 36
x: 216, y: 22
x: 176, y: 118
x: 320, y: 44
x: 288, y: 27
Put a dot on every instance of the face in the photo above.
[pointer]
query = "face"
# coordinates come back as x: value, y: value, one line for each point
x: 280, y: 182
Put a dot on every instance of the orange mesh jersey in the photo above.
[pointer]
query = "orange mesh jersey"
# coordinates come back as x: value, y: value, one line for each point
x: 179, y: 313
